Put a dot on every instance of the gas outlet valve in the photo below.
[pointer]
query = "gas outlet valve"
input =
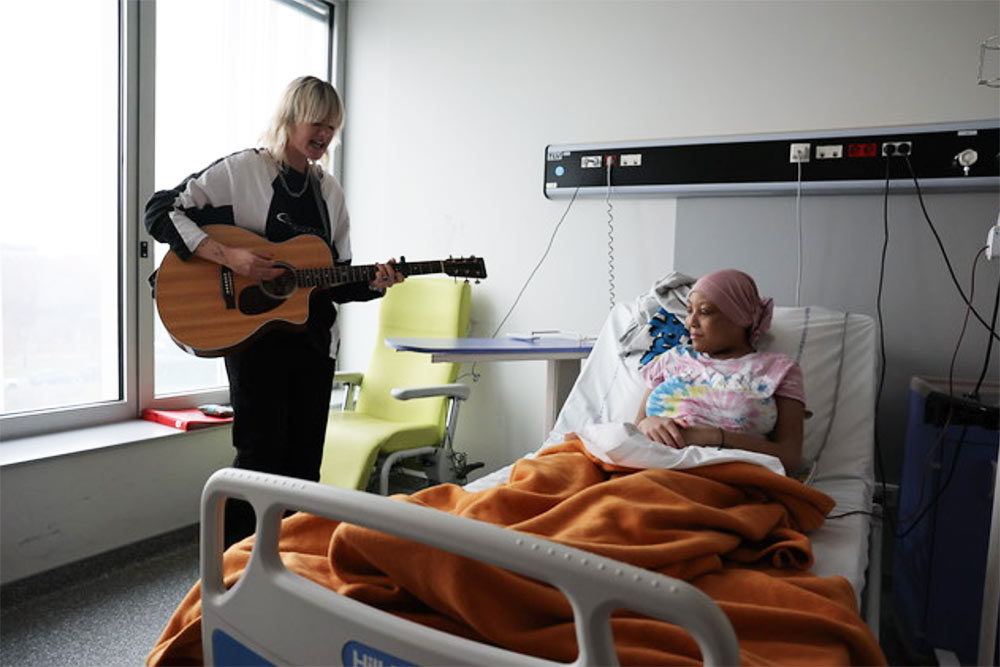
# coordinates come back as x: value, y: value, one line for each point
x: 967, y: 158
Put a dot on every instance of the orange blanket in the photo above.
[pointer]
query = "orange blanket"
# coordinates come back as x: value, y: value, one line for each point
x: 734, y: 530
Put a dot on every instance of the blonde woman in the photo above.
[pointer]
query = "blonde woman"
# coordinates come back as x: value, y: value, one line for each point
x: 280, y: 384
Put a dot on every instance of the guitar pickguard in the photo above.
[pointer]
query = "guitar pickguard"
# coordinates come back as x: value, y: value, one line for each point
x: 253, y: 301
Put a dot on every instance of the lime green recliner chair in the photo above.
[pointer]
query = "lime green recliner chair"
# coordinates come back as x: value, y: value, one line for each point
x: 399, y: 416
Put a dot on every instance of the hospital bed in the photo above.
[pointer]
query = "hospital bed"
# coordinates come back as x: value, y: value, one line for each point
x: 837, y: 354
x: 272, y: 616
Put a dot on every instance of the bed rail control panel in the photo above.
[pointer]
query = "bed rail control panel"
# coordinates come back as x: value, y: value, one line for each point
x: 292, y: 611
x: 961, y: 156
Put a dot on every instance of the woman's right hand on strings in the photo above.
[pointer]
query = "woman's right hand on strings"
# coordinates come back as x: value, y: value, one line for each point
x: 663, y: 430
x: 252, y: 264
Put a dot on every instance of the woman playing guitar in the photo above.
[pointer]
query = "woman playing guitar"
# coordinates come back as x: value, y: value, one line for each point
x: 280, y: 381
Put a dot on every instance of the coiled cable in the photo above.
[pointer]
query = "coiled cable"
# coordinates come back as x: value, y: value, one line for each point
x: 611, y: 237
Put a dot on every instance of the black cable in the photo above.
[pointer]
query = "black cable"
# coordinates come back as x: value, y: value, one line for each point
x: 879, y: 460
x: 989, y: 347
x: 937, y: 237
x: 938, y: 450
x: 951, y: 398
x: 942, y: 432
x: 852, y: 512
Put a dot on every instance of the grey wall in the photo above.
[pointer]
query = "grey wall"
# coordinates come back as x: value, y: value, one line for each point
x: 58, y: 510
x: 842, y: 244
x: 450, y: 105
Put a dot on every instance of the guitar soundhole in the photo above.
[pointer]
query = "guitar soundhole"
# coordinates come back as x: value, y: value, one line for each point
x: 282, y: 286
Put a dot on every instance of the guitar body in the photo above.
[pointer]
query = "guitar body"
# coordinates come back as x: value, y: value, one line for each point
x: 210, y: 311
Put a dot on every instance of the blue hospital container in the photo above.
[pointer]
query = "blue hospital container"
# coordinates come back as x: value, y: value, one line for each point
x: 939, y: 560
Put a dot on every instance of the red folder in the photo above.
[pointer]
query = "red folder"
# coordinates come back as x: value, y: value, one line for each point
x: 185, y: 420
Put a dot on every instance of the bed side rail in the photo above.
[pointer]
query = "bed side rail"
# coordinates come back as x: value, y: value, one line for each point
x: 270, y: 605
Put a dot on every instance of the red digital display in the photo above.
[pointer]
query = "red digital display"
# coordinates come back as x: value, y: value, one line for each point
x: 862, y: 150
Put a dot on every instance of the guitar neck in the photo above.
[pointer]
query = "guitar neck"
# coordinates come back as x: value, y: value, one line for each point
x: 339, y: 275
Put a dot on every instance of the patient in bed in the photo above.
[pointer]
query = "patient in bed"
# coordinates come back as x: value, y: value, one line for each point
x: 724, y: 520
x: 720, y: 390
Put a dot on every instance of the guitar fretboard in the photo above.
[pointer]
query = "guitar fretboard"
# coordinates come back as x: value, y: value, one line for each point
x: 340, y: 275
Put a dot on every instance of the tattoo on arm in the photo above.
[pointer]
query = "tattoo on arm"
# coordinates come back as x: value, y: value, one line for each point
x: 211, y: 250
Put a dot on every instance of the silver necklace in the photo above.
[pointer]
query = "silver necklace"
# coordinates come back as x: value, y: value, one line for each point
x: 284, y: 183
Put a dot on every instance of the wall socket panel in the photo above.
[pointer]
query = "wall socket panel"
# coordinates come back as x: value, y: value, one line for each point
x: 830, y: 161
x: 897, y: 148
x: 799, y: 153
x: 830, y: 152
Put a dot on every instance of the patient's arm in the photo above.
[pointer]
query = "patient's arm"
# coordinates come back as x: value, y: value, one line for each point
x: 785, y: 442
x: 659, y: 429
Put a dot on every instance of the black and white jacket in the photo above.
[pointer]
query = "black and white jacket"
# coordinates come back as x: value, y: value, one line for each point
x: 238, y: 190
x: 246, y: 189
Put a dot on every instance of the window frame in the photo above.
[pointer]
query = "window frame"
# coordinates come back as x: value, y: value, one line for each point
x: 136, y: 157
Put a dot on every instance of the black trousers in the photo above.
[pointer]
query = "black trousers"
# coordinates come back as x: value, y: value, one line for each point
x: 280, y: 391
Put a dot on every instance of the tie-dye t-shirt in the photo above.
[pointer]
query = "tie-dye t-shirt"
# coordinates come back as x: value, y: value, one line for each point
x: 736, y: 394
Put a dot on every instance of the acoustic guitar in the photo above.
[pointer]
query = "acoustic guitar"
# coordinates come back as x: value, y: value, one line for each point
x: 209, y: 310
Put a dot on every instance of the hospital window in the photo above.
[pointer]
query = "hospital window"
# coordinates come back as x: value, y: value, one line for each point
x: 221, y: 67
x: 60, y: 259
x: 95, y: 129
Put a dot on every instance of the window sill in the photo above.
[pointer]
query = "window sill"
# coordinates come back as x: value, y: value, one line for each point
x: 65, y: 443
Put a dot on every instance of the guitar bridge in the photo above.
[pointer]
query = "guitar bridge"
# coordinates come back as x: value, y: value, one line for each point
x: 228, y: 287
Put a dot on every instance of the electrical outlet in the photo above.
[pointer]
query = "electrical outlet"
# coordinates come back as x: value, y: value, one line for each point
x: 829, y: 152
x: 631, y: 160
x: 900, y: 148
x: 798, y: 153
x: 591, y: 161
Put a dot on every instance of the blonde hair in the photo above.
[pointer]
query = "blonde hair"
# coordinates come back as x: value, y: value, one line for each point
x: 307, y: 99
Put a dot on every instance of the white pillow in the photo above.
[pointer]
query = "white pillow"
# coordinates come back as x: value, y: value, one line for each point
x: 836, y: 352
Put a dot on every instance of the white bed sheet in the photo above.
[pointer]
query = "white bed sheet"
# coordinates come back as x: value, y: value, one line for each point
x: 837, y: 353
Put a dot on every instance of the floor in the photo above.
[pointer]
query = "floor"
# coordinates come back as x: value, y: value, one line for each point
x: 107, y: 610
x: 110, y: 609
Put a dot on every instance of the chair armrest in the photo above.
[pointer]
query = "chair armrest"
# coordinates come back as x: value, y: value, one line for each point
x: 348, y: 378
x: 351, y: 381
x: 459, y: 391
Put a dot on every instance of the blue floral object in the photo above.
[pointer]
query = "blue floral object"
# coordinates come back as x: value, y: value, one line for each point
x: 666, y: 331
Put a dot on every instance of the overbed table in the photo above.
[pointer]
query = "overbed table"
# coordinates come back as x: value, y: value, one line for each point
x: 562, y: 355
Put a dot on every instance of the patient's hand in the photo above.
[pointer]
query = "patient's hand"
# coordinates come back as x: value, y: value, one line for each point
x: 663, y: 430
x: 669, y: 432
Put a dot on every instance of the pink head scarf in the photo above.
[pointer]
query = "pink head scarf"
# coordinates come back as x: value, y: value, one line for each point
x: 735, y: 294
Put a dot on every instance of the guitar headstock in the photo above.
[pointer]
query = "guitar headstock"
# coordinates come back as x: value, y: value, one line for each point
x: 465, y: 267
